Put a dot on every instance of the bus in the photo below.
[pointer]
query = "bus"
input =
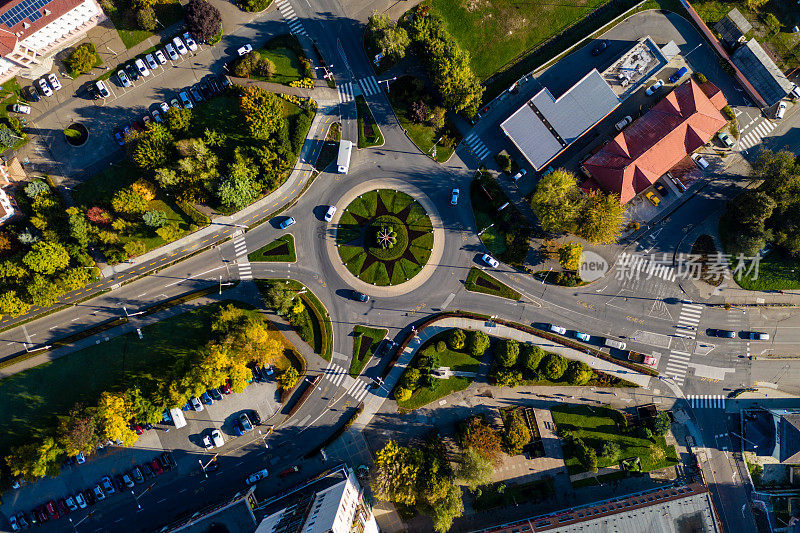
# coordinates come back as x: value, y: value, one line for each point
x: 343, y: 161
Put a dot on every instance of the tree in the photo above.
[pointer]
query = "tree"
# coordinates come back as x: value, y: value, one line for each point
x: 438, y: 117
x: 78, y: 226
x: 448, y: 509
x: 142, y: 407
x: 35, y: 188
x: 419, y: 112
x: 569, y: 256
x: 396, y: 471
x: 288, y: 378
x: 474, y: 469
x: 477, y: 434
x: 113, y: 414
x: 456, y: 339
x: 246, y: 65
x: 203, y: 20
x: 74, y: 278
x: 507, y: 352
x: 754, y: 5
x: 239, y: 188
x: 600, y: 218
x: 146, y: 18
x: 46, y: 257
x: 155, y: 218
x: 99, y: 216
x: 6, y: 244
x: 134, y: 248
x: 516, y: 434
x: 401, y: 394
x: 660, y: 423
x: 170, y: 232
x: 578, y: 373
x: 42, y: 292
x: 585, y: 454
x: 151, y: 147
x: 33, y: 460
x: 780, y: 174
x: 178, y: 119
x: 12, y: 305
x: 82, y: 59
x: 752, y: 208
x: 478, y: 342
x: 610, y: 449
x: 167, y: 177
x: 279, y: 297
x: 532, y: 355
x: 262, y: 111
x: 557, y: 201
x: 553, y: 366
x: 387, y: 36
x: 772, y: 23
x: 128, y: 202
x: 78, y: 432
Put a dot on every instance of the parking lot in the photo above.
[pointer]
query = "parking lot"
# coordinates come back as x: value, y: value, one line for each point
x: 111, y: 461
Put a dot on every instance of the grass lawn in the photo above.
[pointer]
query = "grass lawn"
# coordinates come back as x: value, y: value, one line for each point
x: 369, y: 134
x: 100, y: 189
x: 503, y: 231
x: 365, y: 343
x: 330, y: 149
x: 775, y: 272
x: 31, y: 400
x: 501, y: 494
x: 454, y: 360
x: 11, y: 93
x: 594, y: 481
x: 168, y: 12
x: 597, y: 426
x: 287, y: 65
x: 281, y: 249
x: 313, y: 325
x: 480, y: 281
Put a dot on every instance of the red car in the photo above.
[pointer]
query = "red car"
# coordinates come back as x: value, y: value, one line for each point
x: 138, y: 429
x: 62, y: 507
x: 290, y: 470
x: 137, y: 126
x: 156, y: 467
x: 226, y: 389
x: 52, y: 509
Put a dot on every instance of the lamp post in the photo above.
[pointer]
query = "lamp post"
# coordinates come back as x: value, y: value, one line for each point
x: 145, y: 491
x: 204, y: 466
x: 131, y: 314
x: 223, y: 284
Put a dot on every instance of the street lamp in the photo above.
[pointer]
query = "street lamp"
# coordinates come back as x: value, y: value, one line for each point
x: 204, y: 466
x: 145, y: 491
x: 131, y: 314
x: 484, y: 229
x: 223, y: 284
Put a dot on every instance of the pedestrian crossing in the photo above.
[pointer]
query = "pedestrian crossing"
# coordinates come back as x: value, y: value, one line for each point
x: 369, y: 86
x: 642, y: 266
x: 359, y: 390
x: 679, y: 360
x: 476, y: 146
x: 349, y: 90
x: 335, y: 373
x: 240, y: 249
x: 292, y: 20
x: 754, y: 135
x: 707, y: 401
x: 345, y: 92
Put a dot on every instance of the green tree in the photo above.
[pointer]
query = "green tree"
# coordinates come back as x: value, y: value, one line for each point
x: 170, y: 232
x: 507, y: 377
x: 569, y: 256
x: 557, y: 202
x: 288, y: 378
x: 474, y: 469
x: 507, y: 352
x: 36, y: 187
x: 42, y: 292
x: 134, y: 248
x: 78, y: 226
x: 142, y: 407
x: 146, y: 18
x: 239, y: 188
x: 456, y: 339
x: 263, y: 111
x: 410, y: 378
x: 167, y: 177
x: 600, y: 218
x: 610, y: 450
x: 82, y: 59
x: 33, y: 460
x: 155, y: 218
x: 752, y: 208
x: 553, y: 366
x: 113, y: 414
x: 279, y: 297
x: 74, y: 278
x: 578, y: 373
x: 387, y: 36
x: 516, y: 434
x: 402, y: 394
x: 780, y: 174
x: 178, y: 119
x: 150, y: 148
x: 78, y: 431
x: 128, y: 202
x: 46, y: 257
x: 475, y: 433
x: 11, y: 270
x: 585, y: 454
x: 396, y: 473
x: 660, y: 423
x: 12, y: 305
x: 448, y: 509
x: 532, y: 355
x: 478, y: 343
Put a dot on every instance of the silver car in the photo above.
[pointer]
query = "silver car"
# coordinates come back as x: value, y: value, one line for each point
x: 123, y: 78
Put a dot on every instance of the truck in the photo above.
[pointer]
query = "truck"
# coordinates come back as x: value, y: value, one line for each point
x: 642, y: 359
x: 177, y: 418
x: 343, y: 161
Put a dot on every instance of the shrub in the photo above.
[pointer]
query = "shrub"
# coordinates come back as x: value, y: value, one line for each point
x: 99, y: 216
x: 419, y: 112
x: 128, y: 202
x: 644, y: 433
x: 134, y: 248
x: 553, y: 366
x: 457, y: 339
x: 441, y: 346
x: 301, y: 125
x: 610, y: 450
x: 569, y: 256
x: 410, y: 378
x: 146, y: 18
x: 585, y: 454
x: 145, y: 189
x: 532, y: 355
x: 402, y: 394
x: 578, y: 373
x: 478, y: 343
x: 507, y: 353
x: 660, y: 423
x: 252, y: 5
x: 508, y: 378
x: 728, y: 112
x: 516, y: 434
x: 82, y: 59
x: 35, y: 188
x: 700, y: 77
x: 170, y: 232
x: 155, y: 218
x: 504, y: 162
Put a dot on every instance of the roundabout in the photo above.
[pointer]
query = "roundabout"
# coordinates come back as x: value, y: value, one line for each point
x: 387, y: 237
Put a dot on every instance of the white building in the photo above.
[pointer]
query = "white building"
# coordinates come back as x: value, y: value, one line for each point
x: 33, y: 30
x: 339, y: 508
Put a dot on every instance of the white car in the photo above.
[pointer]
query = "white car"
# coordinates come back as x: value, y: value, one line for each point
x: 207, y: 444
x: 160, y: 57
x: 21, y: 108
x: 164, y: 107
x: 557, y: 329
x: 53, y: 79
x: 622, y: 123
x: 123, y: 78
x: 141, y: 67
x: 46, y: 90
x: 454, y: 196
x: 781, y: 110
x: 246, y: 49
x: 216, y: 438
x: 255, y: 477
x: 173, y: 55
x: 179, y: 46
x: 758, y: 336
x: 489, y: 260
x: 653, y: 88
x: 151, y: 61
x: 187, y: 38
x: 700, y: 160
x: 519, y: 174
x: 197, y: 405
x: 329, y: 213
x: 102, y: 89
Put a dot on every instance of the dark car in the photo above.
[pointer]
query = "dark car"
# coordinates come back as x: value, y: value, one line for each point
x: 41, y: 514
x: 257, y: 374
x: 215, y: 394
x: 119, y: 483
x: 289, y: 471
x: 255, y: 417
x: 224, y: 82
x: 214, y: 86
x: 359, y: 296
x: 662, y: 190
x: 206, y: 398
x: 108, y: 486
x: 166, y: 458
x: 119, y: 137
x: 148, y: 472
x: 724, y: 333
x: 156, y: 466
x: 244, y: 423
x: 205, y: 90
x: 62, y: 506
x: 599, y: 47
x: 23, y: 520
x: 52, y: 509
x: 88, y: 495
x: 137, y: 475
x: 132, y: 72
x: 31, y: 94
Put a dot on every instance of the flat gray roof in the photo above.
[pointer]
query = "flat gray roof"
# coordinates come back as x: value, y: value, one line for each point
x: 545, y: 125
x: 761, y: 72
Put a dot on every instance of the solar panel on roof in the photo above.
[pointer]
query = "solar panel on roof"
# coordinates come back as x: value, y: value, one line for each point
x: 27, y: 9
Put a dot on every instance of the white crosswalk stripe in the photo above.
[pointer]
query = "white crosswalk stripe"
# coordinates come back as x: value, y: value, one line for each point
x: 707, y: 401
x: 345, y: 91
x: 369, y: 86
x: 359, y: 390
x: 476, y: 146
x: 291, y: 17
x: 678, y: 361
x: 335, y: 373
x: 754, y: 134
x: 240, y: 248
x: 648, y: 269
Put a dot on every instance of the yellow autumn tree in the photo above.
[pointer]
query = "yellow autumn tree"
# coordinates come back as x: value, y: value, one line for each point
x: 114, y: 415
x: 144, y: 188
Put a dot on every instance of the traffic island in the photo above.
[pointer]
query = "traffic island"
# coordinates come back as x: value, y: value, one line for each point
x: 76, y: 134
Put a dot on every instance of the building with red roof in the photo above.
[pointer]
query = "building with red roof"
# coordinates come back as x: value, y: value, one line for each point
x: 674, y: 128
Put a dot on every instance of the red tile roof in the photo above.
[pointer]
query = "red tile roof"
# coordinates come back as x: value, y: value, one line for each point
x: 8, y: 41
x: 676, y: 126
x: 55, y: 9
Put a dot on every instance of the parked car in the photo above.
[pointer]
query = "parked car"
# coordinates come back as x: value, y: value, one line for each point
x: 653, y: 88
x: 137, y: 475
x: 195, y: 92
x: 54, y: 81
x: 46, y: 90
x: 585, y: 337
x: 197, y: 405
x: 489, y: 260
x: 151, y: 61
x: 164, y: 107
x: 185, y: 100
x: 156, y: 116
x: 132, y: 72
x: 52, y: 510
x: 179, y: 46
x: 141, y: 67
x: 156, y: 467
x: 137, y: 428
x: 454, y: 196
x: 173, y: 55
x: 126, y: 478
x: 119, y: 484
x: 62, y: 507
x: 187, y: 38
x: 108, y: 487
x: 224, y: 81
x: 23, y: 520
x: 781, y: 110
x: 119, y: 137
x: 599, y: 47
x: 255, y: 477
x: 619, y: 126
x: 71, y: 503
x: 726, y: 139
x: 123, y: 78
x: 160, y: 57
x: 148, y: 472
x: 557, y: 329
x: 287, y: 222
x: 12, y: 521
x: 80, y: 500
x: 757, y: 336
x: 215, y: 394
x: 21, y: 108
x: 661, y: 188
x: 290, y: 470
x: 654, y: 199
x: 80, y: 458
x: 359, y: 296
x: 700, y: 161
x: 255, y: 417
x: 245, y: 424
x: 519, y: 174
x: 226, y: 388
x: 243, y: 50
x: 330, y: 212
x: 41, y: 514
x: 678, y: 75
x: 205, y: 90
x: 30, y: 94
x: 206, y: 398
x: 175, y: 103
x: 102, y: 90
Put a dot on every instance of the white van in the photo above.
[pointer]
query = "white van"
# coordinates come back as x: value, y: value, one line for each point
x: 781, y: 110
x: 611, y: 343
x: 177, y: 418
x: 343, y: 160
